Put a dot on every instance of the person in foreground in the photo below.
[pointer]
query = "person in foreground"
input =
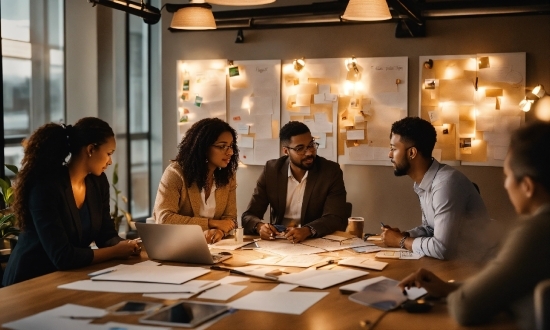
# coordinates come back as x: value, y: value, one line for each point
x: 306, y: 192
x: 199, y: 186
x: 62, y: 207
x: 455, y: 222
x: 507, y: 283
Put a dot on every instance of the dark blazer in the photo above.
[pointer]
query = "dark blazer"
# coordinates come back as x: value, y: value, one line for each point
x: 324, y: 204
x: 53, y: 240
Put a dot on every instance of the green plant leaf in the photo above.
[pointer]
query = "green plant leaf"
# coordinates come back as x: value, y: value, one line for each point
x: 124, y: 199
x: 8, y: 218
x: 12, y: 168
x: 115, y: 175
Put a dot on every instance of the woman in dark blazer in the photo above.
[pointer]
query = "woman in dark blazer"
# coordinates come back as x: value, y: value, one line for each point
x: 62, y: 204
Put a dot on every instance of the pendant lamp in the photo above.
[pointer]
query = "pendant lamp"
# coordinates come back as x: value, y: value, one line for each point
x: 196, y: 15
x: 240, y: 2
x: 367, y: 10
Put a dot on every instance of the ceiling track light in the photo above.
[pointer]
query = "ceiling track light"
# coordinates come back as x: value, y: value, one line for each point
x: 150, y: 14
x: 299, y: 64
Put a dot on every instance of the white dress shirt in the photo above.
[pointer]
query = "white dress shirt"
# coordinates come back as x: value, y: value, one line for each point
x: 208, y: 207
x: 294, y: 198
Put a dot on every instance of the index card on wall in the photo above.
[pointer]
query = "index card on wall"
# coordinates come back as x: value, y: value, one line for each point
x: 355, y: 134
x: 246, y: 142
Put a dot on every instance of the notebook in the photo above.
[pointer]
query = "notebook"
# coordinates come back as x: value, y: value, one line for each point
x: 182, y: 243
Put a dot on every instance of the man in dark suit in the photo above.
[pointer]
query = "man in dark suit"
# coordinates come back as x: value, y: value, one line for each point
x: 305, y: 192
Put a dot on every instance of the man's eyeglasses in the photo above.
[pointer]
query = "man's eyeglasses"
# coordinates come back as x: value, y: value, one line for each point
x: 302, y: 149
x: 224, y: 148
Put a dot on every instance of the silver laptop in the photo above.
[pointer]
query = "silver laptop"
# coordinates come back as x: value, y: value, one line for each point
x: 182, y: 243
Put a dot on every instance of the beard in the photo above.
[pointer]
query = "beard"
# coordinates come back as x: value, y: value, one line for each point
x: 303, y: 166
x: 403, y: 169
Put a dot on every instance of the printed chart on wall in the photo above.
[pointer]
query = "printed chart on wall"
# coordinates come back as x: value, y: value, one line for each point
x: 373, y: 96
x: 310, y: 95
x: 254, y: 109
x: 200, y: 91
x: 472, y: 101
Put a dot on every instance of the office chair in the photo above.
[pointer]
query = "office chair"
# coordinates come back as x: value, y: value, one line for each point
x: 477, y: 187
x: 542, y: 305
x: 349, y: 207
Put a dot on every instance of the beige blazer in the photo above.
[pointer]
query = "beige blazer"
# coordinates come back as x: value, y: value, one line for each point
x: 177, y: 204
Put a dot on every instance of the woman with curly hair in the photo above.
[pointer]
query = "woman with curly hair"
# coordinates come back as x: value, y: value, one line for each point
x: 62, y: 203
x: 199, y: 186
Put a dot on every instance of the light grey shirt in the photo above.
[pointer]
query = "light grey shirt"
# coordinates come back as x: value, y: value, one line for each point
x: 455, y: 220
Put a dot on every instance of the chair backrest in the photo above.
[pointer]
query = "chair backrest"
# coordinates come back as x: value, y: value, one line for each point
x: 349, y: 207
x: 477, y: 187
x: 542, y: 305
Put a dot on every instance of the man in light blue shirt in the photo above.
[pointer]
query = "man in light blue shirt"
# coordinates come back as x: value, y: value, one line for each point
x: 455, y: 221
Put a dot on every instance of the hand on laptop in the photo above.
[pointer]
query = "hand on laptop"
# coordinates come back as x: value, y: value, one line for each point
x: 213, y: 235
x: 126, y: 248
x: 225, y: 225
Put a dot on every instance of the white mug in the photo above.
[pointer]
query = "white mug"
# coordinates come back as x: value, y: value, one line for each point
x: 239, y: 234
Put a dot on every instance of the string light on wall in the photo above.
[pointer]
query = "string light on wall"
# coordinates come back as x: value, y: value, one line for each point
x: 531, y: 97
x: 299, y: 64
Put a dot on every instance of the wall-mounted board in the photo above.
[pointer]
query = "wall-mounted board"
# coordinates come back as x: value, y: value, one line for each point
x: 201, y: 86
x: 472, y: 100
x: 255, y: 109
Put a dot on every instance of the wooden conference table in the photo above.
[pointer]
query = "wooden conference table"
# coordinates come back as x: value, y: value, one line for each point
x: 335, y: 311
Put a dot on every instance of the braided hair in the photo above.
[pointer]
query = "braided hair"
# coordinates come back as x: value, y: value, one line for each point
x: 193, y: 151
x: 46, y: 152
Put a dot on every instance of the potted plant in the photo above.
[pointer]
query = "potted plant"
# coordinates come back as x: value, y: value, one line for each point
x: 118, y: 213
x: 7, y: 217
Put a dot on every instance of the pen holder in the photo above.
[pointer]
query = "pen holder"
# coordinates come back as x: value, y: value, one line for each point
x: 239, y: 233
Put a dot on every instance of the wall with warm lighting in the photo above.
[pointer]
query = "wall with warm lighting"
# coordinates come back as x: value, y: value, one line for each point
x: 373, y: 190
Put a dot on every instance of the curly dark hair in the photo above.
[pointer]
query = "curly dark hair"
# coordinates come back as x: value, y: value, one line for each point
x: 193, y: 151
x: 45, y: 154
x: 529, y: 153
x: 417, y: 131
x: 290, y: 129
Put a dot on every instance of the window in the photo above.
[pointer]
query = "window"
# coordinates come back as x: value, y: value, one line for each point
x: 33, y: 80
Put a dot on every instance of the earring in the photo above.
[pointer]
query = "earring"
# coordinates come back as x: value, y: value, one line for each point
x: 206, y: 160
x: 89, y: 155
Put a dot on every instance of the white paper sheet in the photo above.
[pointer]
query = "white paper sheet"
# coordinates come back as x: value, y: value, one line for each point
x: 320, y: 278
x: 265, y: 150
x: 228, y: 244
x: 262, y: 126
x: 243, y: 128
x: 262, y: 105
x: 286, y: 248
x: 222, y: 292
x: 153, y: 274
x: 278, y: 302
x: 363, y: 263
x: 412, y: 293
x: 59, y: 318
x: 291, y: 261
x: 320, y: 138
x: 355, y: 134
x: 330, y: 245
x: 245, y: 142
x: 136, y: 287
x: 284, y: 287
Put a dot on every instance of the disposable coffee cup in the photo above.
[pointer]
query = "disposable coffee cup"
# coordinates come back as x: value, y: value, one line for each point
x: 355, y: 226
x: 239, y: 233
x: 150, y: 220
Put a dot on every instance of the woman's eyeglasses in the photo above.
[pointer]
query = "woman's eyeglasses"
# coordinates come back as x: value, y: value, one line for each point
x: 224, y: 148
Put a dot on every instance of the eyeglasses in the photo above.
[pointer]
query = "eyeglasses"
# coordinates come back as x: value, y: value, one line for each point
x: 392, y: 149
x: 302, y: 149
x: 224, y: 148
